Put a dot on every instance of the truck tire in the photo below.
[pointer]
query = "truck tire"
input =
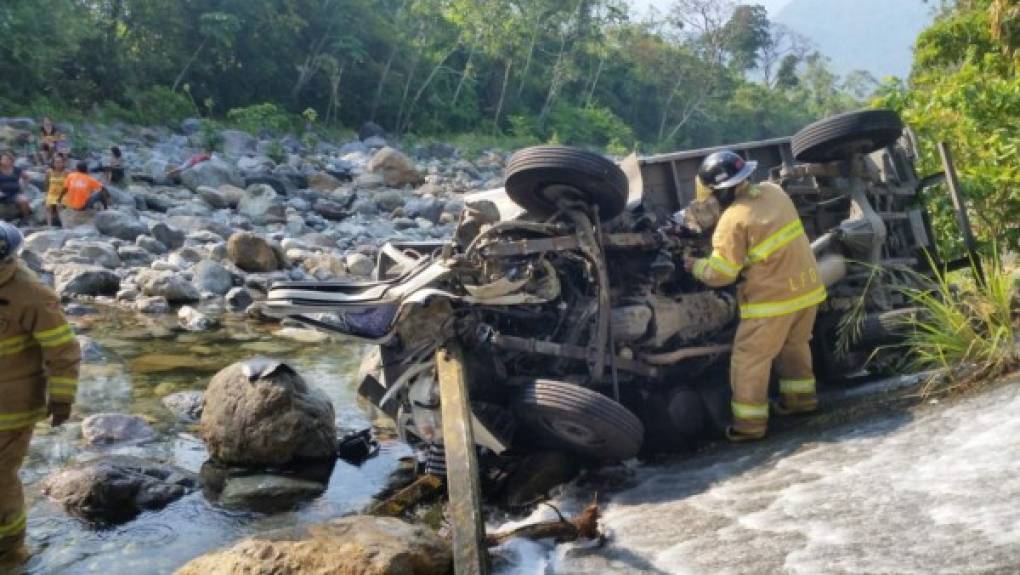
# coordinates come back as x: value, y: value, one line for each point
x: 531, y: 173
x: 831, y: 139
x: 578, y: 420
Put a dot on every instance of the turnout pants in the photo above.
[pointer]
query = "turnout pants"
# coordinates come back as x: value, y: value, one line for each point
x: 785, y: 341
x: 13, y: 448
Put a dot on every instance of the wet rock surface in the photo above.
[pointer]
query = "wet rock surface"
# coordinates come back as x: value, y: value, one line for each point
x: 117, y: 488
x: 109, y: 428
x: 360, y: 544
x: 260, y: 413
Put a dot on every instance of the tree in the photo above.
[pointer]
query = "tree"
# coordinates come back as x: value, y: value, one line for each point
x: 745, y: 35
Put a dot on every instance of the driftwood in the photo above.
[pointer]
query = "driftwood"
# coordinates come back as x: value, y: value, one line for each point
x: 584, y: 526
x: 426, y: 487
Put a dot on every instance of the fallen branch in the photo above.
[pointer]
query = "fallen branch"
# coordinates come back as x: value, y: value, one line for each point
x: 584, y: 526
x: 426, y: 487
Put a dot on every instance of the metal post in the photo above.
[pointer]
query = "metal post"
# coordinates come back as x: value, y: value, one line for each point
x: 960, y: 205
x: 463, y: 484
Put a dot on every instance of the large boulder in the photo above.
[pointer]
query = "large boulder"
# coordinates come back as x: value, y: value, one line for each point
x: 396, y: 168
x: 262, y: 205
x: 120, y: 225
x: 107, y: 428
x: 261, y: 412
x: 84, y: 279
x: 117, y: 488
x: 167, y: 284
x: 210, y: 276
x: 213, y: 173
x: 370, y: 130
x: 357, y: 545
x: 252, y: 253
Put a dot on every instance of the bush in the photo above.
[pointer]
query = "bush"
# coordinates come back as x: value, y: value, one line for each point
x: 966, y: 328
x: 209, y: 135
x: 594, y: 126
x: 160, y: 106
x: 266, y: 116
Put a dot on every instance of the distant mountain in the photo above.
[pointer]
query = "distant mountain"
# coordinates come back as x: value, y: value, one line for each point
x: 873, y: 35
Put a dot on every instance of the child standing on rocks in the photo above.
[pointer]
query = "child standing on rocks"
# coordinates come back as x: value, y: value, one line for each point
x: 54, y: 187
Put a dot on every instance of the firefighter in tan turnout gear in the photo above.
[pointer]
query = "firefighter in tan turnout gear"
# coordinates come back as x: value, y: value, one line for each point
x: 39, y: 358
x: 760, y: 238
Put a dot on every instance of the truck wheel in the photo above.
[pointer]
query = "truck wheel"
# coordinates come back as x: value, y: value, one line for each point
x: 831, y: 139
x: 537, y: 177
x: 579, y: 420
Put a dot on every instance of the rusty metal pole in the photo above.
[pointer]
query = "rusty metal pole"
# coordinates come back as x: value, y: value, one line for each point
x: 463, y: 483
x: 960, y: 206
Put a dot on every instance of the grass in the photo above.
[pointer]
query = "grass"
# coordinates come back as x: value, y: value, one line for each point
x: 968, y: 329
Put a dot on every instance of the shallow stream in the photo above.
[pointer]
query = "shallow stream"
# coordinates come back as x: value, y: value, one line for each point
x: 145, y: 359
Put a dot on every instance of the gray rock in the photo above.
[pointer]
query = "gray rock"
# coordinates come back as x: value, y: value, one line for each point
x: 261, y: 204
x: 152, y: 305
x: 167, y: 284
x: 151, y: 244
x: 389, y: 200
x: 252, y: 253
x: 117, y: 488
x: 193, y: 224
x: 237, y: 143
x: 212, y: 277
x: 261, y: 412
x: 83, y: 279
x: 375, y: 142
x: 191, y: 126
x: 167, y: 235
x: 268, y: 493
x: 186, y: 405
x: 101, y: 254
x: 213, y: 197
x: 396, y: 169
x: 193, y: 320
x: 119, y: 224
x: 238, y: 299
x: 41, y: 242
x: 359, y: 265
x: 232, y: 194
x: 212, y: 173
x: 331, y: 210
x: 107, y: 428
x: 424, y: 207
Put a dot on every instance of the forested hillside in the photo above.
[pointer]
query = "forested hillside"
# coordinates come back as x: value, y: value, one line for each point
x: 578, y: 71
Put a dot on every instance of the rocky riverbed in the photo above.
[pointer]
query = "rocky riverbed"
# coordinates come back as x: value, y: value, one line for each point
x: 214, y: 241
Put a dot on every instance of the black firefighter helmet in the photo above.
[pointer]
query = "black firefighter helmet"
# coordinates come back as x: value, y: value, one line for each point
x: 725, y: 169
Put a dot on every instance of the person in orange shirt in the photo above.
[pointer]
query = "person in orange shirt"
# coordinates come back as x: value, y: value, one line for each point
x: 82, y: 191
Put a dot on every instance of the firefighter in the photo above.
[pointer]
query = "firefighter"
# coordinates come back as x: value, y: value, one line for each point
x: 40, y: 357
x: 760, y: 237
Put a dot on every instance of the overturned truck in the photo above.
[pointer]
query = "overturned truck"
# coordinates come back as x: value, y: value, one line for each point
x: 565, y: 295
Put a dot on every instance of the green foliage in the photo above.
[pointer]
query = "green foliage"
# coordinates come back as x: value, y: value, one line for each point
x: 265, y: 116
x: 969, y: 328
x: 964, y: 90
x: 158, y: 105
x: 276, y: 152
x: 209, y: 135
x: 595, y: 125
x: 583, y: 73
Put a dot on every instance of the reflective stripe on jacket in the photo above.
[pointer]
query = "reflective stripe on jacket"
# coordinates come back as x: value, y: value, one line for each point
x: 39, y: 353
x: 761, y: 236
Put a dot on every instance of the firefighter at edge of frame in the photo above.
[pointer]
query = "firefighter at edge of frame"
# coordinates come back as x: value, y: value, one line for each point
x: 760, y: 236
x: 40, y: 357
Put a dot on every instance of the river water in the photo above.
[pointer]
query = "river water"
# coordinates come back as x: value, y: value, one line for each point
x: 931, y: 490
x: 143, y: 360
